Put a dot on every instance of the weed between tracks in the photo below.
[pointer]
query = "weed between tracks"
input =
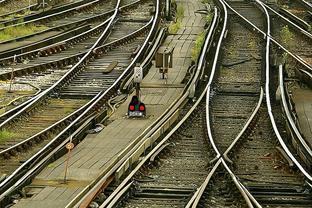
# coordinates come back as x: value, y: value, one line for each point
x: 200, y: 39
x: 199, y: 42
x: 21, y: 30
x: 5, y: 135
x: 286, y: 35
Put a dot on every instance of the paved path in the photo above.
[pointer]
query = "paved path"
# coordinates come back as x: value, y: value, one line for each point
x: 97, y: 152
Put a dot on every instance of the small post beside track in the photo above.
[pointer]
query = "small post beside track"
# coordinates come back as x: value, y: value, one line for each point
x: 69, y: 146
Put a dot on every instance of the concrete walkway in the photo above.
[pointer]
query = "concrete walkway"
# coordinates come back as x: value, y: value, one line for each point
x: 303, y: 106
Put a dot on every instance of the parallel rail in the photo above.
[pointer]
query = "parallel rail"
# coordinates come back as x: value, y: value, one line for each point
x: 251, y: 201
x: 268, y: 101
x: 126, y: 183
x: 98, y: 102
x: 58, y: 12
x: 305, y: 153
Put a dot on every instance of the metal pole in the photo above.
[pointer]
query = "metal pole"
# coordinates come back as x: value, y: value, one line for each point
x: 69, y: 146
x: 66, y: 166
x: 137, y: 90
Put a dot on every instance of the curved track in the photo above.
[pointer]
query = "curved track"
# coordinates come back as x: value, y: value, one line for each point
x: 51, y: 115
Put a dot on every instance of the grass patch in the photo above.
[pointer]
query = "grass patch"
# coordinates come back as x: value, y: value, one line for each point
x: 252, y: 43
x: 209, y: 18
x: 286, y: 35
x: 199, y: 42
x: 68, y: 110
x: 175, y: 26
x: 5, y: 135
x: 19, y: 31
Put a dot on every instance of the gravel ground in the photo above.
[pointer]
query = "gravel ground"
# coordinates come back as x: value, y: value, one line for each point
x: 42, y: 80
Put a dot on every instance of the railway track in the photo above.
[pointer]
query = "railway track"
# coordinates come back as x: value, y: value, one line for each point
x: 282, y: 55
x: 261, y: 144
x: 235, y: 96
x: 169, y: 179
x: 290, y: 35
x: 169, y: 173
x: 60, y: 54
x: 51, y: 117
x: 260, y: 166
x: 174, y: 175
x: 63, y: 11
x: 55, y: 26
x: 295, y: 11
x: 96, y: 109
x: 10, y: 7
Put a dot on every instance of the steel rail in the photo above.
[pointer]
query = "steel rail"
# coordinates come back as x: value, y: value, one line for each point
x: 268, y: 100
x: 2, y: 2
x: 17, y: 108
x: 2, y: 16
x: 67, y: 118
x: 202, y: 57
x: 307, y: 4
x: 115, y: 196
x: 303, y: 31
x: 32, y: 49
x: 288, y: 114
x: 63, y: 78
x: 250, y: 200
x: 98, y: 99
x: 81, y: 111
x: 97, y: 184
x: 292, y: 17
x: 42, y: 95
x: 67, y: 42
x: 211, y: 78
x: 244, y: 129
x: 300, y: 60
x: 244, y: 191
x: 193, y: 202
x: 54, y: 14
x: 63, y: 26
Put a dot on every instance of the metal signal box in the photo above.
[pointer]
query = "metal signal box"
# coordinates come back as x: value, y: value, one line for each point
x: 138, y: 74
x: 164, y: 57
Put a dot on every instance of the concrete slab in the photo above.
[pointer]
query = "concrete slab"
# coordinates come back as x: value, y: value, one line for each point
x: 303, y: 106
